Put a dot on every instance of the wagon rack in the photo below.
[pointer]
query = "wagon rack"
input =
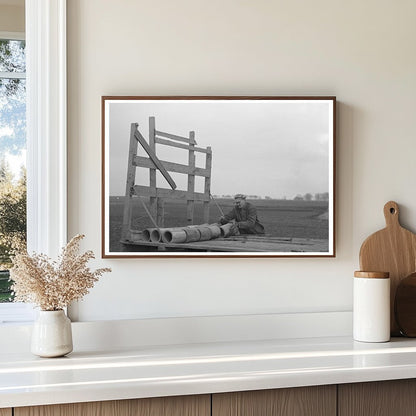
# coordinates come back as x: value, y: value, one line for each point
x: 157, y: 196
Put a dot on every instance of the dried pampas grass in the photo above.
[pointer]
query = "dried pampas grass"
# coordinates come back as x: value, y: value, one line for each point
x: 53, y: 285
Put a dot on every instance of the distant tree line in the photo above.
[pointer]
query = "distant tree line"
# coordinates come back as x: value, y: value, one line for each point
x: 324, y: 196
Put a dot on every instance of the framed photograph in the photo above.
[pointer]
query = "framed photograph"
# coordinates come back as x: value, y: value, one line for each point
x: 218, y: 176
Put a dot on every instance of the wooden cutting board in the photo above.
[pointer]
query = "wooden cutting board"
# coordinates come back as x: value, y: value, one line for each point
x: 393, y: 250
x: 405, y: 306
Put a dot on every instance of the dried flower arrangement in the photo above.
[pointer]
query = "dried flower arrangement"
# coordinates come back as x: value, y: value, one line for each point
x: 52, y: 285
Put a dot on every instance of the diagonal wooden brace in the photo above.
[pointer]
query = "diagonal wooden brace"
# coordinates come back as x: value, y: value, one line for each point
x: 153, y: 157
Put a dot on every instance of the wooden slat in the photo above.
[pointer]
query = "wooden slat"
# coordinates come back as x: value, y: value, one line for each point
x: 131, y: 175
x: 207, y: 184
x: 179, y: 145
x: 5, y: 412
x: 145, y: 162
x: 163, y: 406
x: 300, y: 401
x: 176, y: 137
x: 152, y: 171
x: 206, y: 211
x: 160, y: 212
x: 167, y: 193
x: 154, y: 158
x: 381, y: 398
x: 191, y: 180
x: 149, y: 214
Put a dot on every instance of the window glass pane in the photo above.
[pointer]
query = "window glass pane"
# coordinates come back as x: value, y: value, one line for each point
x: 12, y: 158
x: 13, y: 121
x: 12, y: 56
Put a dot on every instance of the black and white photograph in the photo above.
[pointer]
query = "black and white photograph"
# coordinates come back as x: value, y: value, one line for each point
x: 218, y: 176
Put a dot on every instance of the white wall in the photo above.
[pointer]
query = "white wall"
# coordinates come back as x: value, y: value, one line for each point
x: 361, y: 51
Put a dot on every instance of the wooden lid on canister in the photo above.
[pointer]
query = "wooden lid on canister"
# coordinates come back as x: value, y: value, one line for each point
x: 372, y: 275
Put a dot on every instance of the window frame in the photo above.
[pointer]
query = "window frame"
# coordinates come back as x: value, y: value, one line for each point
x: 46, y: 125
x: 12, y: 35
x: 46, y: 117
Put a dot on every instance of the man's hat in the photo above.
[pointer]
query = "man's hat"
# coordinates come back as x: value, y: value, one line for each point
x: 240, y: 196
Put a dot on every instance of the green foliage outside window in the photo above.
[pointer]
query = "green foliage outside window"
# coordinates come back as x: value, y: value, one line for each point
x: 12, y: 223
x: 12, y: 146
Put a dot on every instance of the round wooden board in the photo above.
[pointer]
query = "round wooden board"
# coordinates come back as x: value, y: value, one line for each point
x: 405, y: 306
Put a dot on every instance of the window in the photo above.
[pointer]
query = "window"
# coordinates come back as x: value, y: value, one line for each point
x: 46, y: 135
x: 12, y: 154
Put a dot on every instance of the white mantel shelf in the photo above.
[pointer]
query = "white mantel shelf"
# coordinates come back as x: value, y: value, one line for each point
x: 151, y: 371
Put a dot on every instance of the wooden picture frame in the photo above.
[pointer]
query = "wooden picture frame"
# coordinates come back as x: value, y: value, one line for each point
x: 172, y: 167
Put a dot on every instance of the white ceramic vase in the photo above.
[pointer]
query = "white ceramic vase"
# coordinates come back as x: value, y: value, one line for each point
x: 52, y: 334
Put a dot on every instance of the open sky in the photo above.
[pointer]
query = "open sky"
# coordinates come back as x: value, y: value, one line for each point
x: 274, y: 148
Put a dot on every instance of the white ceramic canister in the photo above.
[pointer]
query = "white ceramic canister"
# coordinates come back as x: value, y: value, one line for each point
x: 371, y: 308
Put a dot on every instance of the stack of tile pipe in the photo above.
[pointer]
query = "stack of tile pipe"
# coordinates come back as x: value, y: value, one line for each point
x: 189, y: 234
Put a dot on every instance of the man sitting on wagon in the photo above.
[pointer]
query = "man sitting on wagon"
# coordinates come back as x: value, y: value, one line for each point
x: 243, y: 216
